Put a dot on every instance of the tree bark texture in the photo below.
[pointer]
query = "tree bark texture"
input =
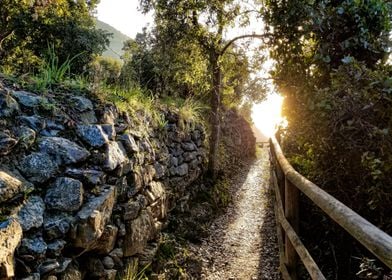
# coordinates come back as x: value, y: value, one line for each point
x: 213, y: 157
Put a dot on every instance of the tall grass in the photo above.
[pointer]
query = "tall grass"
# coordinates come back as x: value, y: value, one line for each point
x: 132, y: 272
x: 52, y: 72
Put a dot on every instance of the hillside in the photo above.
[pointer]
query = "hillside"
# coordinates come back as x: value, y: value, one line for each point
x: 116, y: 41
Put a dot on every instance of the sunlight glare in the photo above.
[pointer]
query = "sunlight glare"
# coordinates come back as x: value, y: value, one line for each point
x: 267, y: 114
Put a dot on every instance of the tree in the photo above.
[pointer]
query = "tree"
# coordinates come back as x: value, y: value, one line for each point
x: 330, y: 67
x: 202, y: 23
x: 29, y: 26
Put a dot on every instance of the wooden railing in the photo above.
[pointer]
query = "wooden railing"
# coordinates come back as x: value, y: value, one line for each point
x: 288, y: 183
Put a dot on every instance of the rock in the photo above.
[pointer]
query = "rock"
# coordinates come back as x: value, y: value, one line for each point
x: 87, y: 117
x: 159, y: 208
x: 38, y: 167
x: 181, y: 170
x: 159, y: 171
x: 33, y: 246
x: 81, y: 103
x: 131, y: 210
x: 109, y: 115
x: 10, y: 237
x: 63, y: 149
x: 54, y: 125
x: 93, y: 135
x: 55, y: 248
x: 56, y: 225
x: 33, y: 122
x: 93, y: 217
x: 29, y: 99
x: 189, y: 156
x: 66, y: 194
x: 26, y: 136
x: 7, y: 143
x: 189, y: 146
x: 146, y: 257
x: 148, y: 174
x: 155, y: 190
x: 71, y: 273
x: 136, y: 181
x: 115, y: 155
x: 64, y: 263
x: 110, y: 274
x: 108, y: 262
x: 31, y: 215
x: 139, y: 231
x: 95, y: 268
x: 107, y: 241
x: 33, y: 276
x: 8, y: 105
x: 87, y: 176
x: 129, y: 143
x: 49, y: 265
x: 173, y: 161
x: 109, y: 130
x: 117, y: 253
x: 10, y: 185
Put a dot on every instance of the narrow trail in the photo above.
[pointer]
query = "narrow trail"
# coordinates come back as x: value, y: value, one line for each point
x: 242, y: 242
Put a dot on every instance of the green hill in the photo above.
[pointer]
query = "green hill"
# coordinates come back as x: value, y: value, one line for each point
x: 116, y: 41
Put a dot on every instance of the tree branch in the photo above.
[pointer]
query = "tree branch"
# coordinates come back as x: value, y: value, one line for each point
x: 228, y: 44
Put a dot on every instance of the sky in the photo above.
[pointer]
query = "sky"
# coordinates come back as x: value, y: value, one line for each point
x: 123, y: 15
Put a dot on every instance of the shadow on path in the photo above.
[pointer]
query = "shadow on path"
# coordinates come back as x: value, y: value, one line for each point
x: 242, y: 242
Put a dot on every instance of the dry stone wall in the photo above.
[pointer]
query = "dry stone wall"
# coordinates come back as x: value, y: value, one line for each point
x: 83, y: 189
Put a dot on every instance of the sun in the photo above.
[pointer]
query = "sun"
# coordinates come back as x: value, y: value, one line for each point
x: 267, y: 114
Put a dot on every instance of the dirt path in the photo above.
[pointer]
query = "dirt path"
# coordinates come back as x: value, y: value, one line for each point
x: 242, y: 242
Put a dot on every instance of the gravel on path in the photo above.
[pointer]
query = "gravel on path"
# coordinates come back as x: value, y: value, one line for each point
x: 242, y: 242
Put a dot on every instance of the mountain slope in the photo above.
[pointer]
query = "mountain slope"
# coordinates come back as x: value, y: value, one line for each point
x: 116, y: 41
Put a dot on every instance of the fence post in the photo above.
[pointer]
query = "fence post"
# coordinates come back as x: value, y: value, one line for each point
x: 292, y: 215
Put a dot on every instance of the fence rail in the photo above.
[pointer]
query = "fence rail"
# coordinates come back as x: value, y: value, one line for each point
x: 288, y: 184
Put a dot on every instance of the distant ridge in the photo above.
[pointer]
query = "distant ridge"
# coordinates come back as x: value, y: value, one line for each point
x: 116, y: 42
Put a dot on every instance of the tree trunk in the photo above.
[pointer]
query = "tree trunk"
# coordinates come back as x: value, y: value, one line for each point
x: 213, y: 157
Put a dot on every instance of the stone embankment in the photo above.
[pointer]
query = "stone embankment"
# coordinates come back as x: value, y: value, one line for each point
x: 84, y: 189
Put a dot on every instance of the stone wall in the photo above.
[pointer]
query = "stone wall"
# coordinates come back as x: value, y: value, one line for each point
x: 238, y: 140
x: 84, y: 190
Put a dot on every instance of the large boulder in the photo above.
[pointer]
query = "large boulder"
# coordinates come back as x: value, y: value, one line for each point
x: 10, y: 237
x: 66, y: 194
x: 92, y: 218
x: 64, y: 150
x: 139, y: 231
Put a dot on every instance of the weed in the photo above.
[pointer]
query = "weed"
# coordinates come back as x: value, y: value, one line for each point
x: 220, y: 194
x: 52, y: 72
x: 132, y: 272
x: 190, y: 113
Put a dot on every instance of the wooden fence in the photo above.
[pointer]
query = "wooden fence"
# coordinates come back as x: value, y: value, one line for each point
x: 288, y: 184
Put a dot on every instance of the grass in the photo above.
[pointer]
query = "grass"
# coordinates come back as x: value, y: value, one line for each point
x: 133, y: 273
x: 52, y: 72
x: 190, y: 110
